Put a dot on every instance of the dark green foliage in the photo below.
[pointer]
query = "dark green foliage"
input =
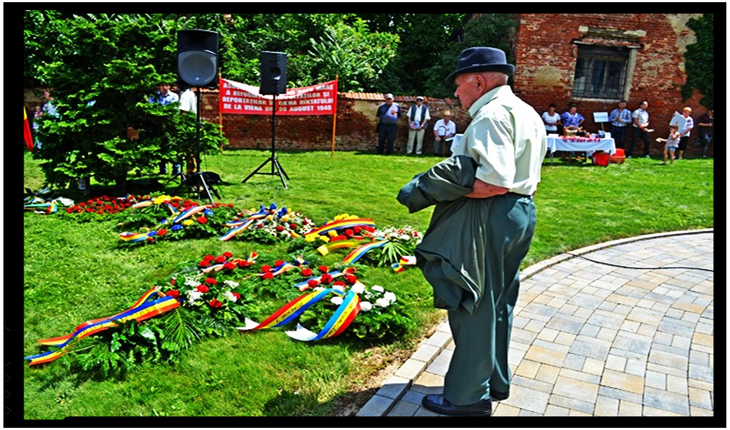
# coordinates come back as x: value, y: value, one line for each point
x: 700, y: 60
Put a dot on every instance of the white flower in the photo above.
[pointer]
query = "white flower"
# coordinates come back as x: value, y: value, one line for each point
x: 191, y: 282
x: 229, y: 295
x: 230, y: 284
x: 336, y: 300
x: 358, y: 288
x: 403, y: 237
x: 194, y: 295
x: 377, y: 288
x: 389, y: 297
x: 339, y: 288
x: 365, y: 306
x: 382, y: 302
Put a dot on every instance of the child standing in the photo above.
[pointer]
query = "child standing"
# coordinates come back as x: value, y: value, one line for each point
x: 672, y: 142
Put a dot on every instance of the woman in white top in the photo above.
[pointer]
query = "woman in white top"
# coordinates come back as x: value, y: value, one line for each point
x: 551, y: 119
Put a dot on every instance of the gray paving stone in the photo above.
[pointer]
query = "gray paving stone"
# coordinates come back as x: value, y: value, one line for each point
x: 403, y: 409
x: 666, y: 400
x: 377, y: 406
x: 394, y: 387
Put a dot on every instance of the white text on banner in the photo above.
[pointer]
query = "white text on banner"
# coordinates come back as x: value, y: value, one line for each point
x: 238, y: 98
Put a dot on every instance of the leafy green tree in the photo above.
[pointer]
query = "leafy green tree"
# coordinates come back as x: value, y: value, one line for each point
x: 352, y: 53
x: 496, y: 30
x: 104, y: 71
x: 700, y: 60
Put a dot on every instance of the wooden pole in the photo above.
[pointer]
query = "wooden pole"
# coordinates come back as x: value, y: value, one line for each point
x: 334, y: 118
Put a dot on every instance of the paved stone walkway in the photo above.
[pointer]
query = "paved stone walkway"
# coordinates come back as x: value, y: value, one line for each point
x: 592, y: 339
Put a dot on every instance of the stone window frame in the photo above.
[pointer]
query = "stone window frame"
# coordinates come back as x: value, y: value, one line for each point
x: 605, y: 50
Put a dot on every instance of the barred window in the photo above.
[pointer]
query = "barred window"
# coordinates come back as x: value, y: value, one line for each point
x: 600, y: 72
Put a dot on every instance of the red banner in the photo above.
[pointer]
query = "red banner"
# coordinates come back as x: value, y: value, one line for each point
x: 237, y: 98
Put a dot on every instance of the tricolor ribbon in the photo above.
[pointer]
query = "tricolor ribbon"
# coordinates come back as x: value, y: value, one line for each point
x: 305, y: 285
x: 240, y: 225
x: 403, y: 262
x: 218, y: 267
x: 152, y: 303
x: 338, y: 244
x: 338, y: 322
x: 358, y: 252
x: 345, y: 223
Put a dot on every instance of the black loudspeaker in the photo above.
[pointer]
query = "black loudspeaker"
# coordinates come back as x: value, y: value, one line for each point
x: 197, y: 58
x: 273, y: 73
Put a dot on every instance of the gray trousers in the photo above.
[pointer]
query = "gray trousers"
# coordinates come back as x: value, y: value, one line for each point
x: 481, y: 339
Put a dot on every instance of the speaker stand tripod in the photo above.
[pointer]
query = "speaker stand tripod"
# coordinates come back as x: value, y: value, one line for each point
x: 276, y: 168
x: 197, y: 178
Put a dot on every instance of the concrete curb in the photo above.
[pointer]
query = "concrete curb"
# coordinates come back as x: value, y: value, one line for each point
x: 402, y: 379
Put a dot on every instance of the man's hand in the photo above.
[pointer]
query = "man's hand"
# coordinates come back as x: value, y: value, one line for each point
x: 482, y: 190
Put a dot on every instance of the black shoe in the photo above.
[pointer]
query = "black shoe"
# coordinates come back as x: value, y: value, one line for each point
x: 496, y: 395
x: 437, y: 403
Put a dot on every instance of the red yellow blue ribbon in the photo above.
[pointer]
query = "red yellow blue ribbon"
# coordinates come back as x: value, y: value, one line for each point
x: 338, y: 244
x: 403, y: 262
x: 358, y: 252
x: 151, y: 304
x: 345, y: 223
x: 338, y: 322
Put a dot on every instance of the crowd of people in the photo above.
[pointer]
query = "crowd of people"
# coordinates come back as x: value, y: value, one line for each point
x: 628, y: 128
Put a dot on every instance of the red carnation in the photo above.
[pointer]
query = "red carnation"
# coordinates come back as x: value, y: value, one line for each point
x: 242, y: 263
x: 324, y: 269
x: 326, y: 278
x: 279, y: 228
x: 349, y: 232
x: 220, y: 259
x: 202, y: 219
x: 202, y: 288
x: 204, y: 263
x: 293, y: 226
x: 312, y: 283
x: 173, y: 293
x: 236, y: 295
x: 161, y: 232
x: 265, y: 268
x: 357, y: 229
x: 173, y: 281
x: 208, y: 257
x: 351, y: 279
x: 227, y: 254
x: 211, y: 281
x: 278, y: 263
x: 340, y: 283
x: 307, y: 271
x: 229, y: 266
x: 215, y: 303
x: 268, y: 275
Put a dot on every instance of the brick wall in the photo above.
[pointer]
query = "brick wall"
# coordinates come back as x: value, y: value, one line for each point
x: 355, y: 125
x: 545, y: 62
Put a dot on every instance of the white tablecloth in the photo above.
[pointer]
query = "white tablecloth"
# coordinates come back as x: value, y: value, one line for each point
x: 578, y: 144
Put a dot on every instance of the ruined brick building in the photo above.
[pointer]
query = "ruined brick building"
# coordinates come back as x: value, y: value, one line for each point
x: 593, y: 60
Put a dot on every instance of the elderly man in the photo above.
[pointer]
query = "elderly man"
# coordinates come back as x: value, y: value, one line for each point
x: 418, y: 116
x: 387, y: 114
x: 481, y: 229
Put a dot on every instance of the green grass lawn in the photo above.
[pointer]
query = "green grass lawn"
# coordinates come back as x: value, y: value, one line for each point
x: 77, y: 271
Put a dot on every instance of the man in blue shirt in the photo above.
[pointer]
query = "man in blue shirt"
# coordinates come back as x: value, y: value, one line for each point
x: 619, y: 118
x: 387, y: 114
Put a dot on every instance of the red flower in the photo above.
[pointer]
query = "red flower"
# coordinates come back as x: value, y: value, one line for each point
x: 236, y: 295
x: 351, y: 279
x: 268, y: 275
x: 202, y: 288
x: 349, y: 232
x: 312, y: 283
x: 227, y: 254
x: 173, y: 281
x: 229, y: 266
x: 161, y: 232
x: 173, y: 293
x: 306, y: 271
x: 278, y: 263
x: 208, y: 257
x: 357, y: 229
x: 204, y: 263
x: 326, y: 278
x: 293, y: 226
x: 340, y: 283
x: 211, y: 281
x: 215, y: 303
x: 242, y: 263
x: 202, y: 219
x: 324, y: 269
x: 279, y: 228
x: 265, y: 268
x: 220, y: 259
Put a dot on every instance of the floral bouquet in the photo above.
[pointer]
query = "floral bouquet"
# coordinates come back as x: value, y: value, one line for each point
x: 268, y: 224
x: 173, y: 218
